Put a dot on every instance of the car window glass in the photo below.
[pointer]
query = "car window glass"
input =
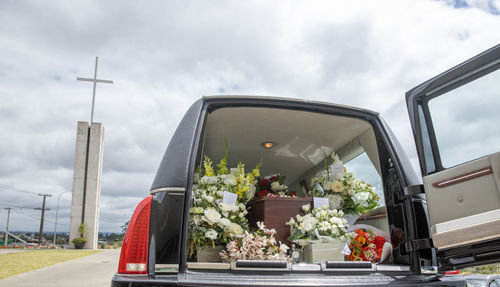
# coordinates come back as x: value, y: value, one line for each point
x: 363, y: 168
x: 494, y: 283
x: 466, y: 120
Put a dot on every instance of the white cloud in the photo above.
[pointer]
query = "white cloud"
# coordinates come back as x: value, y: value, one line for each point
x: 164, y: 55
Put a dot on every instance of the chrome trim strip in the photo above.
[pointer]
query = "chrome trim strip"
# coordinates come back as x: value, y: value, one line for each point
x: 208, y: 265
x: 429, y: 270
x: 306, y: 267
x: 168, y: 189
x: 167, y: 268
x: 287, y: 268
x: 324, y: 269
x: 467, y: 221
x: 462, y: 77
x: 384, y: 267
x: 465, y: 177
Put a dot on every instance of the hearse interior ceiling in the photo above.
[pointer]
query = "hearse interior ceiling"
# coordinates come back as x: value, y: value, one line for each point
x: 302, y: 138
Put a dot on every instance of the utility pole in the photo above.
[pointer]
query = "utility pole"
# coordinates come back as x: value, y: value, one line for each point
x: 6, y: 239
x: 43, y: 215
x: 57, y: 213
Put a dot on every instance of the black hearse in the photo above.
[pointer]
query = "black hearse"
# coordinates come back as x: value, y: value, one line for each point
x: 447, y: 219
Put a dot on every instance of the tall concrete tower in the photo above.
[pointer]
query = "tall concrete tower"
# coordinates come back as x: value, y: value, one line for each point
x: 86, y: 194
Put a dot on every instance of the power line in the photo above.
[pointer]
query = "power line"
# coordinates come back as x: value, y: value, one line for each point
x: 15, y: 206
x: 8, y: 187
x: 37, y: 218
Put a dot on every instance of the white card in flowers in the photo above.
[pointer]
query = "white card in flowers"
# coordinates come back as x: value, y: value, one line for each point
x: 229, y: 198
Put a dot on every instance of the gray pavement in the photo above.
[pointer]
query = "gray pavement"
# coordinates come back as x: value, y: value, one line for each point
x: 94, y: 270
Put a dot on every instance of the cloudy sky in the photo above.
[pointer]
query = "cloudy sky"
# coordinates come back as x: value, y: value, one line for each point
x: 163, y: 55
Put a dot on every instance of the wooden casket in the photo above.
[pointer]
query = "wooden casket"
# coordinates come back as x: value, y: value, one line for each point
x: 275, y: 212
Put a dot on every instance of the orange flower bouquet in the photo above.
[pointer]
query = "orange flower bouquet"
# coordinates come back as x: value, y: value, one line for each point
x: 366, y: 245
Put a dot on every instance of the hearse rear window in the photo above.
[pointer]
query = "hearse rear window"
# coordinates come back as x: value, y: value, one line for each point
x: 286, y: 190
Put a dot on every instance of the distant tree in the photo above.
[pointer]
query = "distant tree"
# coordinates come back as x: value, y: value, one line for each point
x: 125, y: 226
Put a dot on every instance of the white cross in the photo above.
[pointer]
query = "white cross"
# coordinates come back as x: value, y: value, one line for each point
x: 95, y: 81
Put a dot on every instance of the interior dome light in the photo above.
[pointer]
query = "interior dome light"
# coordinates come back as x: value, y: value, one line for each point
x: 268, y: 144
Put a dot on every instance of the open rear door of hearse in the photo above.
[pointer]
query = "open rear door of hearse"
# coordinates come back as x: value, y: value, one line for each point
x: 455, y: 118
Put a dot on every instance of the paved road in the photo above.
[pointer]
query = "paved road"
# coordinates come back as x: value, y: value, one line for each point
x: 94, y: 270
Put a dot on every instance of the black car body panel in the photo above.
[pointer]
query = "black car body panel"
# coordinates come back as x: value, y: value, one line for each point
x: 405, y: 200
x: 211, y: 279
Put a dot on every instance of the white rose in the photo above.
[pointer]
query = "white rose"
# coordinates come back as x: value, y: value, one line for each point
x: 328, y: 185
x: 230, y: 180
x: 211, y: 216
x: 324, y: 225
x: 306, y: 207
x: 204, y: 180
x: 275, y: 185
x: 225, y: 222
x: 335, y: 201
x: 220, y: 193
x: 362, y: 198
x: 251, y: 191
x: 211, y: 234
x: 235, y: 229
x: 307, y: 226
x: 291, y: 221
x: 208, y: 180
x: 336, y: 220
x: 225, y: 207
x: 242, y: 206
x: 309, y: 223
x: 208, y: 198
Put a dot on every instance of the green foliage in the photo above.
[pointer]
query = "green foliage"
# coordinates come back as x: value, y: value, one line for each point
x: 82, y: 229
x: 79, y: 240
x: 124, y: 227
x: 484, y: 269
x: 222, y: 165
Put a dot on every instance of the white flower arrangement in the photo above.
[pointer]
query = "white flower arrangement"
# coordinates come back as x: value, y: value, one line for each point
x: 319, y: 225
x: 343, y: 190
x: 212, y: 221
x: 258, y: 245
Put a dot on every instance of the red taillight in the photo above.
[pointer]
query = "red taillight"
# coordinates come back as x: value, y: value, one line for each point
x: 134, y: 255
x: 454, y: 272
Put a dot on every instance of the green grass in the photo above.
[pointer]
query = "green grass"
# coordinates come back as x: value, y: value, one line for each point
x: 484, y: 269
x: 16, y: 263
